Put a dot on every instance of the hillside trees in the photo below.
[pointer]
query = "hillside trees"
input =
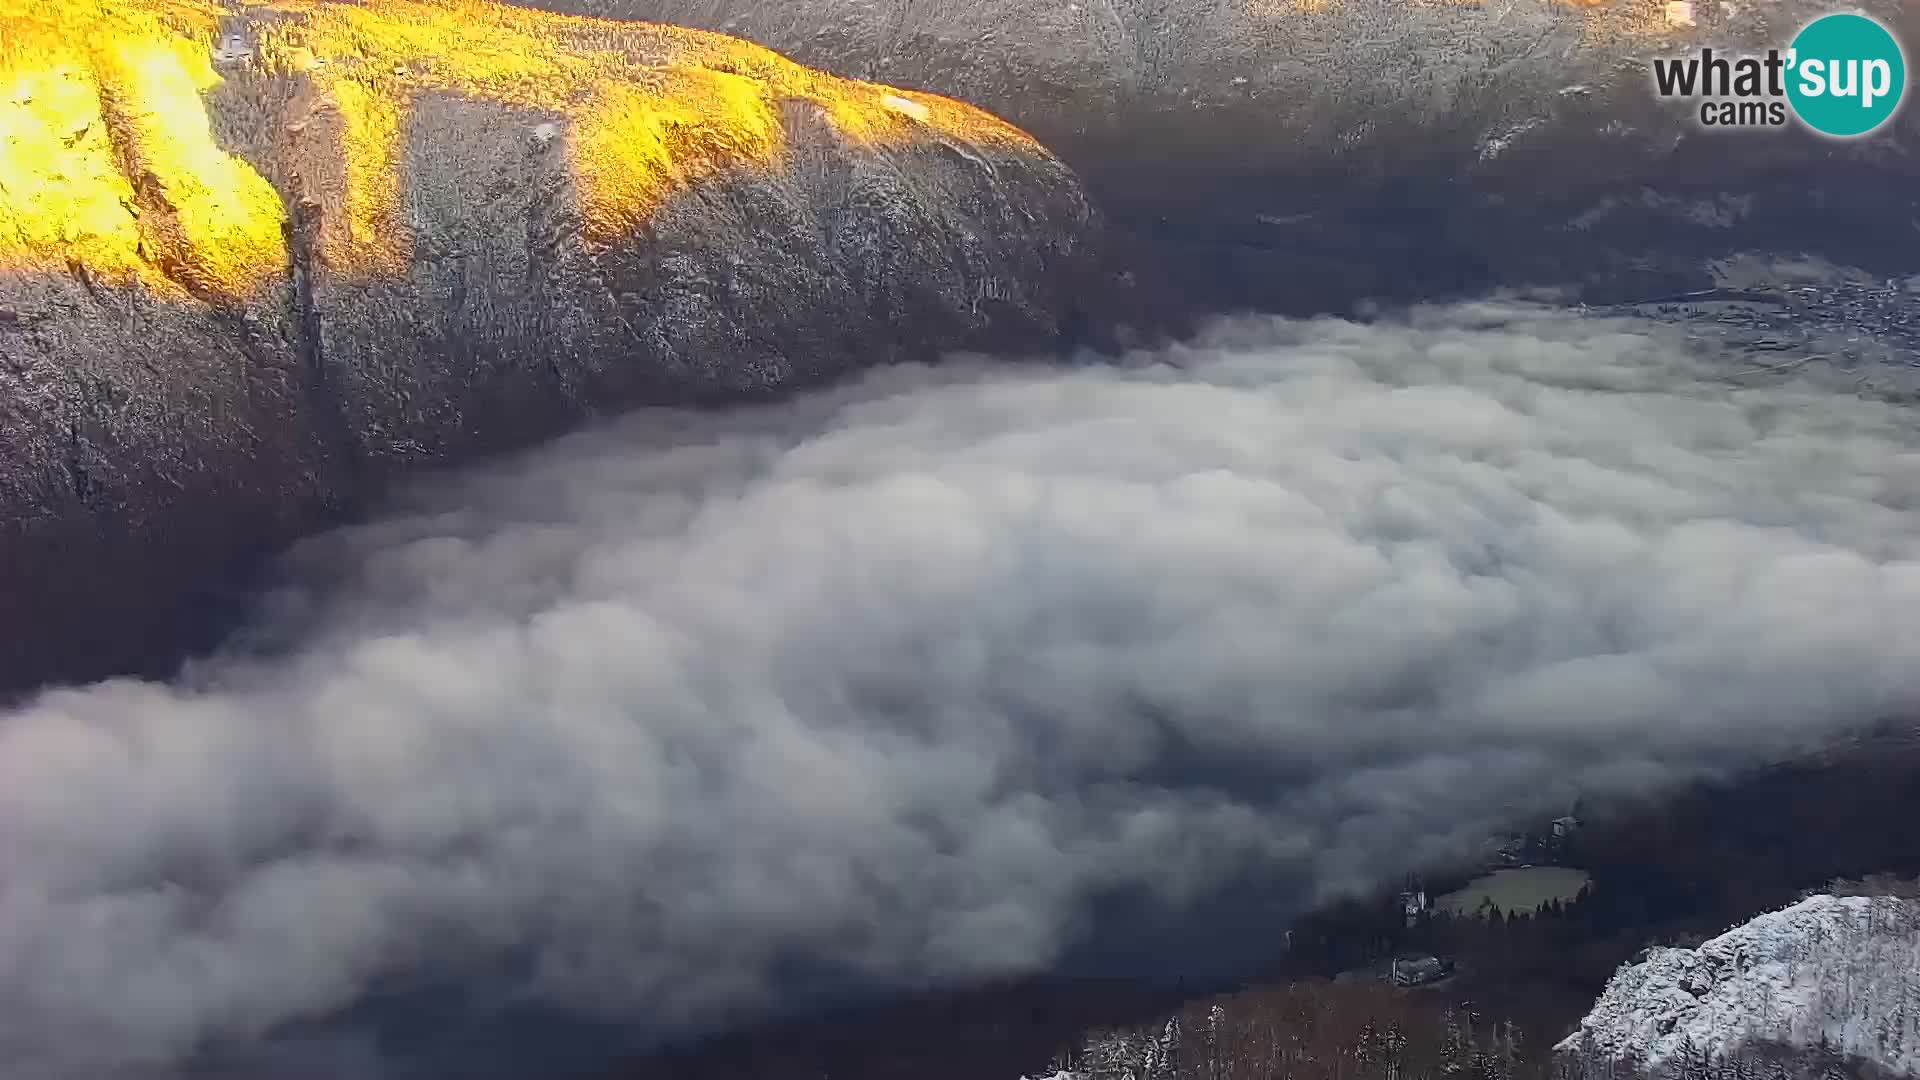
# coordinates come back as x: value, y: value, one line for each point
x: 1312, y: 1030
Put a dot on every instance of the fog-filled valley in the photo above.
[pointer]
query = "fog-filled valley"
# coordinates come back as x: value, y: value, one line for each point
x: 900, y: 685
x: 864, y: 539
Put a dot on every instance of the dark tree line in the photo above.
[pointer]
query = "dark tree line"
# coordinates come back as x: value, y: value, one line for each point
x: 1759, y: 1060
x: 1313, y: 1030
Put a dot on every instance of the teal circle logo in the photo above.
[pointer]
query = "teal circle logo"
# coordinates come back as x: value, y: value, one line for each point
x: 1846, y: 75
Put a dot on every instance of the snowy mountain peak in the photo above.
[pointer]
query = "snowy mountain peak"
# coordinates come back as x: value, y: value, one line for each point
x: 1840, y: 972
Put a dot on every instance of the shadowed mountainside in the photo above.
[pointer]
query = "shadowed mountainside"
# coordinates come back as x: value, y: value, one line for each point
x: 255, y: 258
x: 1306, y: 154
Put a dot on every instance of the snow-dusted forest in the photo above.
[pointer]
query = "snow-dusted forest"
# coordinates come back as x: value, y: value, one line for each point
x: 1829, y: 973
x: 1827, y: 987
x: 1307, y: 1030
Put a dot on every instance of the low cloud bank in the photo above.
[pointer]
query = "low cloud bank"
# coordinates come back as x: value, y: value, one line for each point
x: 892, y: 683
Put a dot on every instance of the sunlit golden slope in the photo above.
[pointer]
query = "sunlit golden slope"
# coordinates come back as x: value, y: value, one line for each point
x: 106, y: 160
x: 107, y: 164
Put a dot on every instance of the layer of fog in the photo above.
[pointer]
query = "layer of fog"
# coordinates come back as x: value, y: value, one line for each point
x: 891, y: 683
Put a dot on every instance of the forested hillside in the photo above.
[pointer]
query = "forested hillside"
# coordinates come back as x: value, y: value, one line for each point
x: 1311, y: 1030
x: 1839, y: 975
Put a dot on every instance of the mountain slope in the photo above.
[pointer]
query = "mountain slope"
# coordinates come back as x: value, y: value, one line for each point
x: 1835, y: 973
x: 1308, y: 152
x: 255, y: 258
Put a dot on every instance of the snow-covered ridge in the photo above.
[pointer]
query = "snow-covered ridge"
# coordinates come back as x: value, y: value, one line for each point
x: 1838, y: 971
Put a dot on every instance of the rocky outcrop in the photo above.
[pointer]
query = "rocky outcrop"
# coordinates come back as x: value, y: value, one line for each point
x: 1830, y: 977
x: 258, y: 258
x: 1303, y: 153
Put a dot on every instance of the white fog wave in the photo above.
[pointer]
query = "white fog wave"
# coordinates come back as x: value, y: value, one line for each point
x: 893, y: 681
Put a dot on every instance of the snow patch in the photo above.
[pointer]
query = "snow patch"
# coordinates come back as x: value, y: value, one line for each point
x: 1494, y: 145
x: 902, y: 105
x: 232, y: 49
